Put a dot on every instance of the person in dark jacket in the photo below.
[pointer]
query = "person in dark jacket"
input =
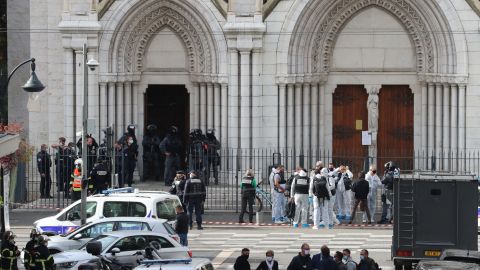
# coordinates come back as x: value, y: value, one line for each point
x: 43, y: 258
x: 181, y: 226
x: 9, y: 252
x: 302, y: 261
x: 269, y: 263
x: 194, y: 197
x: 361, y: 189
x: 171, y: 147
x: 99, y: 177
x: 29, y: 256
x: 323, y: 260
x: 44, y: 162
x: 338, y: 260
x: 247, y: 187
x: 242, y: 261
x: 366, y: 263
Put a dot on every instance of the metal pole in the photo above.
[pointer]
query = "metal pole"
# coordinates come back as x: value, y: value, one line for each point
x: 113, y: 157
x: 2, y: 230
x: 83, y: 213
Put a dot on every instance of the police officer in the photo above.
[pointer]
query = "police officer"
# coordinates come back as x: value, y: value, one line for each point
x: 60, y: 163
x: 29, y: 257
x: 171, y: 147
x: 299, y: 193
x: 213, y: 158
x: 10, y: 252
x: 44, y: 163
x: 320, y: 192
x: 151, y: 153
x: 92, y: 150
x: 197, y: 152
x: 247, y: 187
x: 194, y: 197
x: 43, y: 259
x: 76, y: 180
x: 391, y: 172
x: 99, y: 177
x: 129, y: 151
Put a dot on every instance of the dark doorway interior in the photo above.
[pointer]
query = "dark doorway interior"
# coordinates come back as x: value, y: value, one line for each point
x: 165, y: 106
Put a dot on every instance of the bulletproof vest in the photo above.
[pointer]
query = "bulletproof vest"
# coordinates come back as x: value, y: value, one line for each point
x: 302, y: 184
x: 195, y: 188
x: 388, y: 180
x: 282, y: 180
x: 101, y: 173
x: 247, y: 186
x: 321, y: 187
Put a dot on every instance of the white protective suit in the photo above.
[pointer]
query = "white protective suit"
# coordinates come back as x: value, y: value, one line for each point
x: 374, y: 183
x: 320, y: 206
x: 300, y: 191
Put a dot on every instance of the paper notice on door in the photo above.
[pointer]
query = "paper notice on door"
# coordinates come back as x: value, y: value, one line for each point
x: 366, y: 138
x: 358, y: 124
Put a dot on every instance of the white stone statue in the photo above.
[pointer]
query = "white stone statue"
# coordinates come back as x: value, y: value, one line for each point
x: 372, y: 107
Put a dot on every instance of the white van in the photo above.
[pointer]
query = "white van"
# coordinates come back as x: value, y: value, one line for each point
x: 154, y: 204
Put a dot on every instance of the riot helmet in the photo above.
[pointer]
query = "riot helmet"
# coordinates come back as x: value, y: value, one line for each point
x: 390, y: 166
x: 34, y: 233
x: 131, y: 129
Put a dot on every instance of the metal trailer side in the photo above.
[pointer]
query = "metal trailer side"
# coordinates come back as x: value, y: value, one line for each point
x: 433, y: 212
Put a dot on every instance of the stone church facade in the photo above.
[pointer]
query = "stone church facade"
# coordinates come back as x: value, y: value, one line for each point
x: 310, y: 74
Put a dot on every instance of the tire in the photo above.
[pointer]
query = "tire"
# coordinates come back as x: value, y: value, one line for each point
x: 258, y: 204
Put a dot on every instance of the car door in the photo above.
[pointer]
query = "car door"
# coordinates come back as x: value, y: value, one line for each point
x: 128, y: 248
x: 72, y: 219
x: 167, y: 249
x: 87, y: 233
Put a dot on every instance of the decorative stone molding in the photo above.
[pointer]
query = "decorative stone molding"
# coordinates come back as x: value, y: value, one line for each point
x: 475, y: 4
x: 330, y: 27
x: 137, y: 33
x: 267, y: 7
x: 443, y: 78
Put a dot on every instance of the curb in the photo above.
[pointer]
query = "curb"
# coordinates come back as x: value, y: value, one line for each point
x: 343, y: 226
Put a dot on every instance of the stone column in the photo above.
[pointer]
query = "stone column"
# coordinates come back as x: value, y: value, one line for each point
x: 140, y: 93
x: 111, y: 104
x: 103, y: 108
x: 446, y: 126
x: 210, y: 107
x: 93, y: 91
x: 438, y: 124
x: 321, y: 117
x: 137, y: 95
x: 373, y: 113
x: 224, y: 116
x: 194, y: 106
x: 69, y: 97
x: 314, y: 110
x: 462, y: 126
x: 203, y: 107
x: 431, y: 121
x: 291, y: 116
x: 128, y: 103
x: 78, y: 92
x: 257, y: 140
x: 245, y: 101
x: 454, y: 125
x: 216, y: 111
x: 120, y: 109
x: 298, y: 133
x: 233, y: 132
x: 282, y: 119
x: 306, y: 127
x: 424, y: 124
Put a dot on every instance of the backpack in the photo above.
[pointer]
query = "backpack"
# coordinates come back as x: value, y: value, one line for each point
x: 348, y: 183
x: 320, y: 186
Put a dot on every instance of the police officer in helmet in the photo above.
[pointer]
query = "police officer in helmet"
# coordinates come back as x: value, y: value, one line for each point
x: 151, y: 153
x: 194, y: 197
x: 391, y: 172
x: 213, y: 158
x: 129, y: 151
x: 171, y: 147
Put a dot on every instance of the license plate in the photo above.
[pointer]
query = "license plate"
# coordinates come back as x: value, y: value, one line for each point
x: 432, y: 253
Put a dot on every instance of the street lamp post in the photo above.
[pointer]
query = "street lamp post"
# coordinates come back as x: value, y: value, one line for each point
x: 92, y: 64
x: 33, y: 85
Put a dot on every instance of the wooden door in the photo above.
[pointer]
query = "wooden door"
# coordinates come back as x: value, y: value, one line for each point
x: 350, y: 117
x: 395, y: 127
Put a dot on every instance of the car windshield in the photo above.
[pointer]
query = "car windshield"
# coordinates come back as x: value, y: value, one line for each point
x: 169, y: 228
x: 166, y: 209
x: 77, y: 229
x: 106, y: 241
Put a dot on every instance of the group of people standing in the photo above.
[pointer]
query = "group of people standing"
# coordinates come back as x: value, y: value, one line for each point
x: 341, y: 260
x: 37, y: 256
x: 330, y: 191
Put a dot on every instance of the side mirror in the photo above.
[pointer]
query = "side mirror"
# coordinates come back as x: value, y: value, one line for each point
x: 94, y: 248
x: 115, y: 251
x: 77, y: 236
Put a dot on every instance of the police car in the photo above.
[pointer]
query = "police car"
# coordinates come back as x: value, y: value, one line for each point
x: 126, y: 202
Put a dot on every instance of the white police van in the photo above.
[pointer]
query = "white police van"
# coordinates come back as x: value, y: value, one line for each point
x: 126, y: 202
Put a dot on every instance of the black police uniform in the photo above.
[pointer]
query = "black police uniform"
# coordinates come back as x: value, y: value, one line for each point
x: 127, y: 159
x: 248, y: 195
x: 44, y: 163
x: 99, y: 178
x: 213, y: 158
x: 171, y: 144
x: 151, y: 156
x: 91, y: 153
x: 194, y: 197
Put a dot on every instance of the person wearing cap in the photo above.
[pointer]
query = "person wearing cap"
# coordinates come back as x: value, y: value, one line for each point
x: 194, y: 197
x: 178, y: 186
x: 99, y: 178
x: 247, y: 187
x: 9, y: 252
x: 44, y: 162
x: 29, y: 257
x: 43, y: 258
